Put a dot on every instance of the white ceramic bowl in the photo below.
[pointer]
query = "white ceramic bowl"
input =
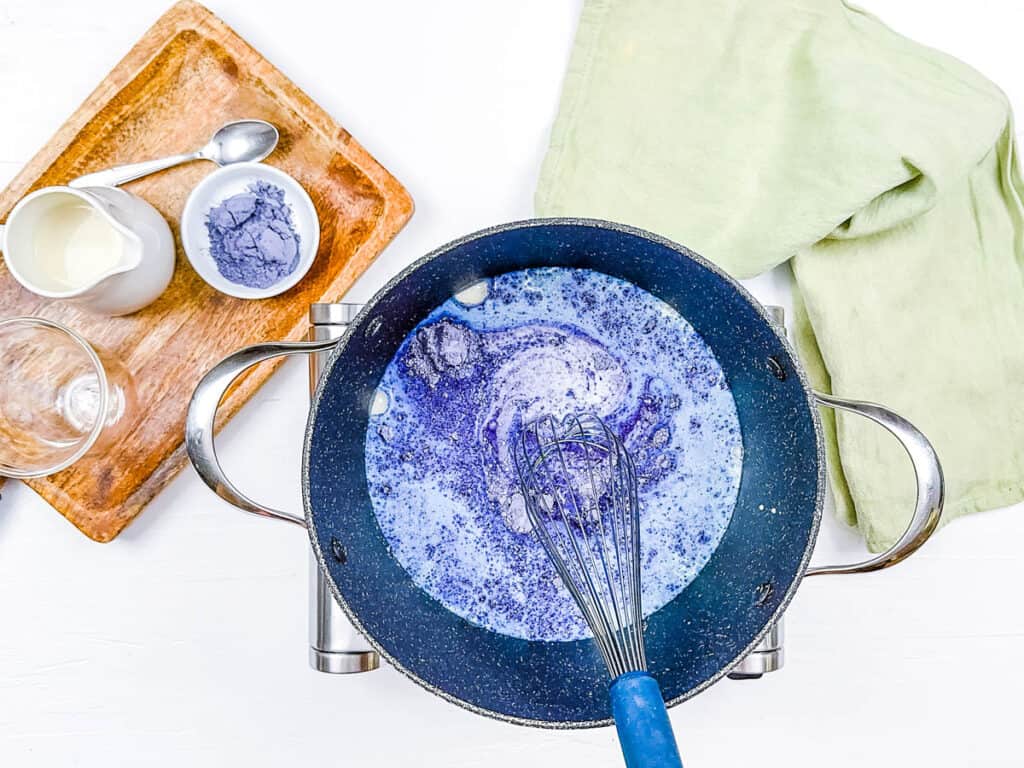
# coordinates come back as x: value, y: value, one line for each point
x: 231, y: 180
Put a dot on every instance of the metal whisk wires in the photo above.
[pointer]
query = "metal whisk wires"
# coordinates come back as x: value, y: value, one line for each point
x: 579, y: 485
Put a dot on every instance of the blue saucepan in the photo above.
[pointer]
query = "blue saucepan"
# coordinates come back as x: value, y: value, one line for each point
x: 692, y: 641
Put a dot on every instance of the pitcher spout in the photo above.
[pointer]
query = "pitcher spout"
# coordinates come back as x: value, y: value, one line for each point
x: 145, y: 263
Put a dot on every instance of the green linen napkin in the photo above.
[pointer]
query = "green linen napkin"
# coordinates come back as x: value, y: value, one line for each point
x: 759, y: 131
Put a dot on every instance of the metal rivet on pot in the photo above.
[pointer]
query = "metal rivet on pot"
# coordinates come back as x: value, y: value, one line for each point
x: 338, y: 550
x: 776, y: 367
x: 763, y: 593
x: 373, y: 327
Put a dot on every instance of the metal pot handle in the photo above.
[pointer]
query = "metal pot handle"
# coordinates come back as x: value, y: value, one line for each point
x: 334, y: 644
x: 202, y: 413
x: 930, y: 484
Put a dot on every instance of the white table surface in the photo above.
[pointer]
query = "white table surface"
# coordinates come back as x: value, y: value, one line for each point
x: 184, y: 641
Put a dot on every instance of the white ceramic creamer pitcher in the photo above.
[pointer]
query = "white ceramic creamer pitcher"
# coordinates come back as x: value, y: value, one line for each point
x: 100, y: 247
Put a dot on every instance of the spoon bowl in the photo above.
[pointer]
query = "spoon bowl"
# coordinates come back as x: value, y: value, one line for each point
x: 242, y: 141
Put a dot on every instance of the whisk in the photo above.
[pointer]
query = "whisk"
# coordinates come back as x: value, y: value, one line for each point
x: 579, y: 485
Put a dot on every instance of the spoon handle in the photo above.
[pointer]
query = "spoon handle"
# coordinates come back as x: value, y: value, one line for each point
x: 120, y: 174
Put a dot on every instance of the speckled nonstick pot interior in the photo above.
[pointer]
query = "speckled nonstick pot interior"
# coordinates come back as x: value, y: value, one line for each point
x: 697, y: 637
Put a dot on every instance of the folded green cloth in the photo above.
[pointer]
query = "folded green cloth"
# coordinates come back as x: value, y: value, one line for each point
x: 758, y: 131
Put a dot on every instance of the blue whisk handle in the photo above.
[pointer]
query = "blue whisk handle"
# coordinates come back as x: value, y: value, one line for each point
x: 645, y: 732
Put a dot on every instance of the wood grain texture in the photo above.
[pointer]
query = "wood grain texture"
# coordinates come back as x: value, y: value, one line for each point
x: 186, y: 76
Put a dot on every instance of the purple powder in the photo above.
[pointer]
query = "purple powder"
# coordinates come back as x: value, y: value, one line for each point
x: 252, y: 238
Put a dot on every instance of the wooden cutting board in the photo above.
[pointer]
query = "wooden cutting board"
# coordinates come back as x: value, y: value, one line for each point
x: 186, y: 76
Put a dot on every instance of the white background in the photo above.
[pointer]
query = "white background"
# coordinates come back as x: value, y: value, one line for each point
x: 184, y: 641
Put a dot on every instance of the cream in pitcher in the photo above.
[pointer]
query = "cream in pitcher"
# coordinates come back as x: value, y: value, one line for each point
x: 100, y: 247
x: 76, y: 245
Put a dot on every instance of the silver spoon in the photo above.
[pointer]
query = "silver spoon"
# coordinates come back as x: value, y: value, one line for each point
x: 241, y: 141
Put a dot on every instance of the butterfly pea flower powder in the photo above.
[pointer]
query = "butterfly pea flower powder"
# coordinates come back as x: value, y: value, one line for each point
x: 252, y: 238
